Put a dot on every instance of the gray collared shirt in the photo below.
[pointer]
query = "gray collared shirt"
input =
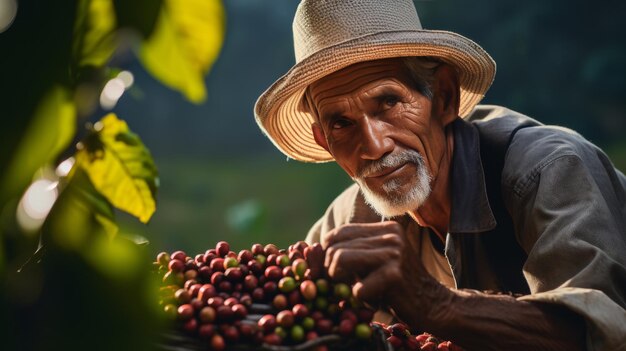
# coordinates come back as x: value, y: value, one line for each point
x: 556, y: 232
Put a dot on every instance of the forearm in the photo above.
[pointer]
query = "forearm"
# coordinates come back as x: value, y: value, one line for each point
x: 479, y: 321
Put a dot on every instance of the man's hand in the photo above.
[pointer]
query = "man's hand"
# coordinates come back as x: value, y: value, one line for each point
x: 376, y: 258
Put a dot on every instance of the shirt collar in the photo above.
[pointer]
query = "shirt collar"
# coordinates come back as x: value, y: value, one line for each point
x: 470, y: 211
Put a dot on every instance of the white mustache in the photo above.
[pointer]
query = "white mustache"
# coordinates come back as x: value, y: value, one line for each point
x: 391, y: 161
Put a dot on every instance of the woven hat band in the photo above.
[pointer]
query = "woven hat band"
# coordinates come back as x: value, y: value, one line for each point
x: 319, y: 24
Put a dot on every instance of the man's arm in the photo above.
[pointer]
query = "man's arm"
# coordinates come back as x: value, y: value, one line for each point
x: 376, y: 256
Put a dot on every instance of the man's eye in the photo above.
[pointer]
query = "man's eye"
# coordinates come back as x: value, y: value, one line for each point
x: 339, y: 123
x: 391, y: 101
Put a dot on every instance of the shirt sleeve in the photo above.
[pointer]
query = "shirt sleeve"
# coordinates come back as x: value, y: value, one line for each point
x: 568, y: 210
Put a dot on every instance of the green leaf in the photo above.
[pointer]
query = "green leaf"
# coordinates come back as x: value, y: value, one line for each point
x: 50, y: 131
x: 79, y: 212
x: 94, y: 33
x: 120, y: 167
x: 185, y: 43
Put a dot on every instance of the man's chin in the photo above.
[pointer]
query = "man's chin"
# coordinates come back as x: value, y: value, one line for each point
x: 390, y: 204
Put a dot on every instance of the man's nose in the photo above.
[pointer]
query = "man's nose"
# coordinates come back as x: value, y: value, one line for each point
x: 374, y: 141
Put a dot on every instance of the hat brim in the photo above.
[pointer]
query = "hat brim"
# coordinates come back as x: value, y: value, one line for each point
x: 281, y: 115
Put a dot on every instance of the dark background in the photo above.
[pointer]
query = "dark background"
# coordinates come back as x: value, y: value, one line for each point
x: 561, y: 62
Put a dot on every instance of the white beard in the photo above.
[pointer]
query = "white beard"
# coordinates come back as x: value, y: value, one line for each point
x: 393, y: 202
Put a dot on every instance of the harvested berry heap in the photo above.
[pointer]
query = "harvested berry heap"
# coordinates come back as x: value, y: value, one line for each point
x: 270, y: 298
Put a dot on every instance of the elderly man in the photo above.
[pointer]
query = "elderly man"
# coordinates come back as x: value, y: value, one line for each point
x: 451, y: 199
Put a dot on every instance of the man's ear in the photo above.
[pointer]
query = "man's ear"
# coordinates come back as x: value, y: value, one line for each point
x: 446, y: 94
x: 318, y: 135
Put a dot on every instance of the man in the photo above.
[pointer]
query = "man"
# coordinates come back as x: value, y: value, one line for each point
x: 445, y: 207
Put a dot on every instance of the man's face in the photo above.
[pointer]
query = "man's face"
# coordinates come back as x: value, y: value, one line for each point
x: 381, y: 131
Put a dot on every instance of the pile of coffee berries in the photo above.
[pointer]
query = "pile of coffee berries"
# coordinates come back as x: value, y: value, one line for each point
x: 400, y: 337
x: 262, y: 296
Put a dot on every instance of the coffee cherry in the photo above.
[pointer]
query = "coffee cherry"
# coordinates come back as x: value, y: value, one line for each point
x: 287, y: 272
x: 170, y: 311
x: 233, y: 274
x: 206, y: 331
x: 224, y: 313
x: 272, y: 339
x: 273, y: 273
x: 244, y: 256
x: 222, y: 248
x: 285, y: 318
x: 267, y: 323
x: 207, y: 314
x: 324, y: 326
x: 349, y: 314
x: 262, y: 259
x: 270, y: 288
x: 300, y: 311
x: 231, y: 334
x: 217, y: 264
x: 270, y: 249
x: 322, y: 286
x: 255, y: 267
x: 182, y: 296
x: 206, y: 291
x: 215, y: 301
x: 308, y: 323
x: 283, y: 261
x: 280, y: 331
x: 297, y: 333
x: 342, y: 291
x: 258, y: 294
x: 239, y: 311
x: 321, y: 303
x: 225, y: 286
x: 250, y: 282
x: 246, y: 300
x: 294, y: 297
x: 179, y: 255
x: 346, y: 327
x: 363, y: 331
x: 247, y: 330
x: 257, y: 249
x: 299, y: 267
x: 231, y: 301
x: 287, y: 284
x: 163, y: 258
x: 308, y: 290
x: 395, y: 341
x: 176, y: 265
x: 185, y: 312
x: 197, y: 304
x: 280, y: 302
x: 271, y: 260
x: 217, y: 343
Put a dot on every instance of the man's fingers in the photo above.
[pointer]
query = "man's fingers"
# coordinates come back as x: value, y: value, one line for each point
x: 359, y: 230
x: 373, y: 288
x: 392, y: 241
x: 346, y: 264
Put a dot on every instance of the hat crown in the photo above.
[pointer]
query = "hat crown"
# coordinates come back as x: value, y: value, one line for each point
x: 319, y: 24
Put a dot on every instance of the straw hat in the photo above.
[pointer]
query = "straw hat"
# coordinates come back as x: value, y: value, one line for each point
x: 332, y: 34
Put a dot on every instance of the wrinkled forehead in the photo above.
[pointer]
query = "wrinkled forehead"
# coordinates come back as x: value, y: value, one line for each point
x: 353, y: 77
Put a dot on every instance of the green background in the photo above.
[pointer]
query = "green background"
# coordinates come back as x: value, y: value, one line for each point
x: 561, y: 62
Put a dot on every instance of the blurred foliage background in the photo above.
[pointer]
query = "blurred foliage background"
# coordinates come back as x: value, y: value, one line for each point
x: 561, y: 62
x: 184, y: 76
